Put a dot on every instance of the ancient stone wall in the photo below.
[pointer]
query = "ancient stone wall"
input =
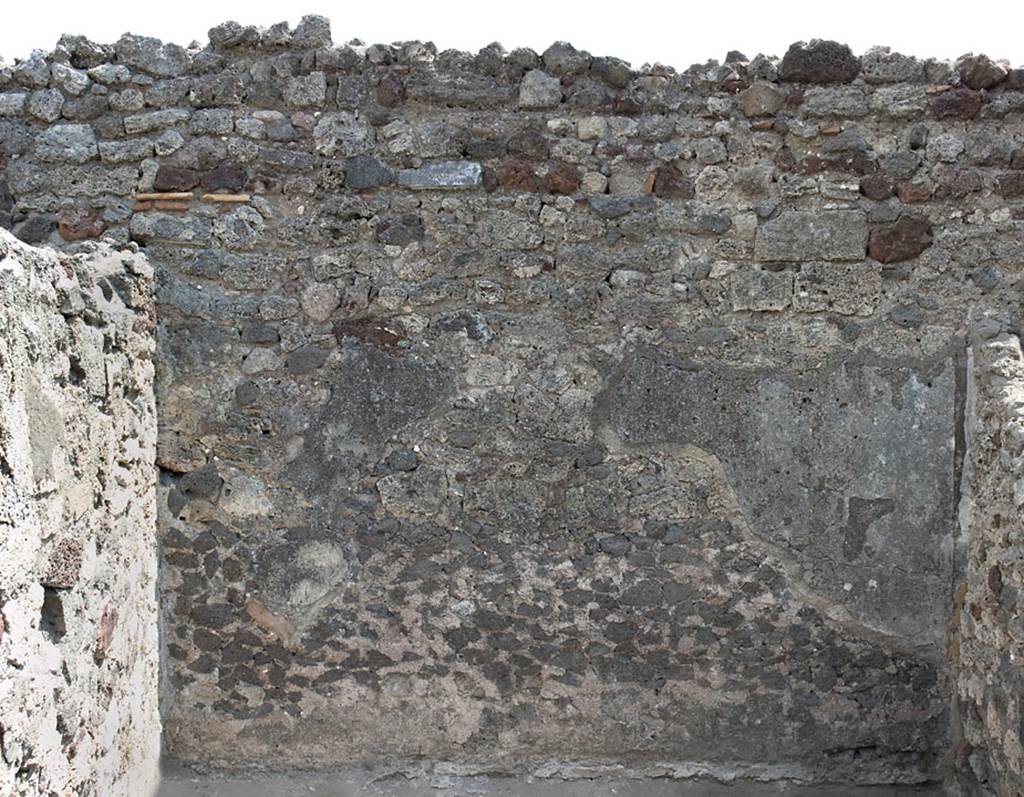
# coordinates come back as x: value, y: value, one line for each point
x: 79, y: 652
x: 534, y: 413
x: 990, y: 643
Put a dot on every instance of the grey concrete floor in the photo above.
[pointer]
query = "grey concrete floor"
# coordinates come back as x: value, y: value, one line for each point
x: 182, y: 783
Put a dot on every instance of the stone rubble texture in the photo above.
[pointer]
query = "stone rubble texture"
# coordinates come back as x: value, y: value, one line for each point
x: 989, y: 638
x: 79, y: 653
x: 539, y: 414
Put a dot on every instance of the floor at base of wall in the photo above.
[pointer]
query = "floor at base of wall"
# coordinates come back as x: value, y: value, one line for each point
x: 184, y: 783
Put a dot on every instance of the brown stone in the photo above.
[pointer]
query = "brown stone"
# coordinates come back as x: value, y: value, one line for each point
x: 518, y: 175
x: 391, y: 90
x: 560, y: 178
x: 78, y: 224
x: 876, y: 186
x: 911, y: 192
x: 670, y: 183
x: 980, y: 71
x: 903, y: 239
x: 229, y: 176
x: 956, y: 104
x: 377, y: 331
x: 1010, y: 185
x: 175, y: 178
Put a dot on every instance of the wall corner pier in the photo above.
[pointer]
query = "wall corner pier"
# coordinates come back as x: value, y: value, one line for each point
x: 79, y: 655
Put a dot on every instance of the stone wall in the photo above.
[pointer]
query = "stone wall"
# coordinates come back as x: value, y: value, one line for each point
x: 79, y: 655
x: 990, y: 643
x: 534, y: 413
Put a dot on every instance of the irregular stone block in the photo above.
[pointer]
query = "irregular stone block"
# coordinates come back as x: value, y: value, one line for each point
x: 132, y: 150
x: 155, y: 120
x: 66, y: 144
x: 152, y: 56
x: 844, y: 288
x: 539, y: 90
x: 444, y: 174
x: 78, y: 224
x: 980, y: 71
x: 761, y: 99
x: 903, y: 239
x: 343, y: 134
x: 46, y: 105
x: 761, y: 291
x: 13, y: 103
x: 796, y: 236
x: 819, y: 62
x: 150, y: 227
x: 306, y: 91
x: 846, y: 103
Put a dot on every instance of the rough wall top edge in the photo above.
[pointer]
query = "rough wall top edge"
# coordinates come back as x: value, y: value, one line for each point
x: 815, y: 62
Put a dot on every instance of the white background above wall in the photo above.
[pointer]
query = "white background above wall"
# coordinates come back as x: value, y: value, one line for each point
x: 673, y: 33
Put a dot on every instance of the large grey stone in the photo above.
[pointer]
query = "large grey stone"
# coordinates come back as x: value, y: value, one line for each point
x: 539, y: 90
x: 152, y: 56
x: 797, y: 236
x: 12, y: 103
x: 343, y: 134
x: 67, y: 144
x: 444, y: 174
x: 155, y: 120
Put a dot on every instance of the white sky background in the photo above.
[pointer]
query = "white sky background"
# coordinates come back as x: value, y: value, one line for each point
x: 675, y: 33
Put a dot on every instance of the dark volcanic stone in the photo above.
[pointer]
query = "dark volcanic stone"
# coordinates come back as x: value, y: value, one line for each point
x: 980, y: 71
x: 305, y: 359
x: 903, y: 239
x: 365, y: 171
x: 230, y: 177
x: 877, y: 187
x: 202, y: 483
x: 956, y: 104
x: 400, y: 230
x: 175, y: 178
x: 821, y: 61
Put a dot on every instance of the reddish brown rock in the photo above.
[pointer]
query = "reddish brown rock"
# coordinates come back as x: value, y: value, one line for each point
x: 956, y: 104
x: 912, y: 192
x: 670, y: 183
x: 877, y: 187
x: 175, y: 178
x: 230, y: 177
x: 980, y: 71
x: 391, y: 90
x: 903, y: 239
x: 518, y: 175
x: 560, y: 178
x: 79, y: 224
